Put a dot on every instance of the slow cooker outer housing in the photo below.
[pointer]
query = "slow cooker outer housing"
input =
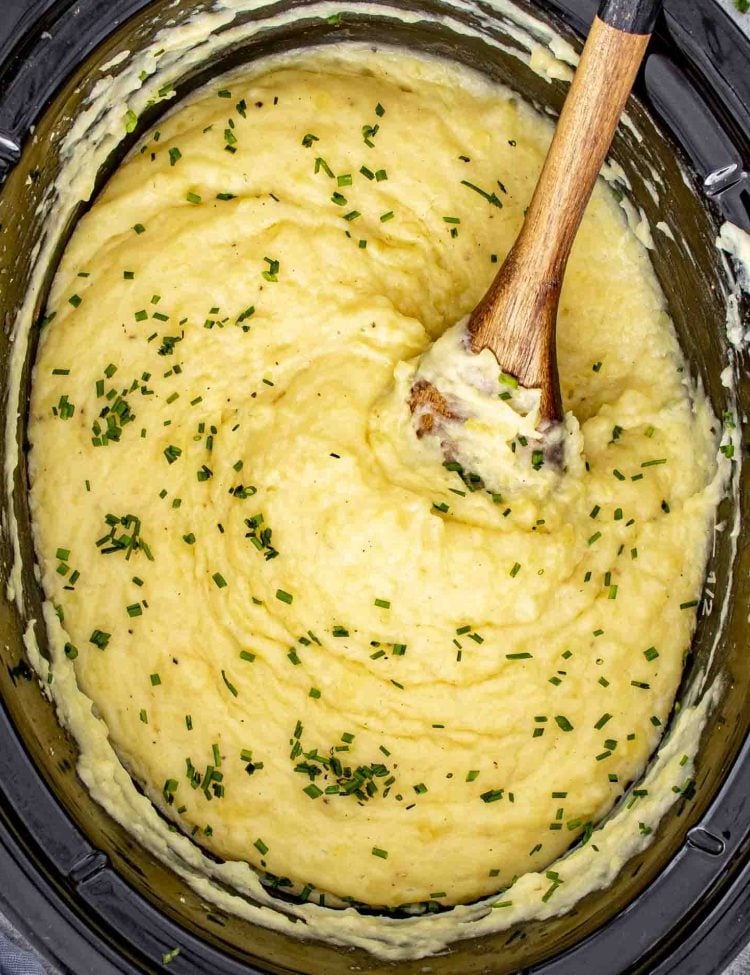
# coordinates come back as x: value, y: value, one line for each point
x: 72, y: 878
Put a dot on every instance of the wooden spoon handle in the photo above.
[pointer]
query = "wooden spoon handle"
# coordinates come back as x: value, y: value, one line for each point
x: 527, y: 287
x: 602, y: 83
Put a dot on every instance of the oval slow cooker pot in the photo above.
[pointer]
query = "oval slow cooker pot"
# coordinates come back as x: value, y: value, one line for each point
x: 72, y: 878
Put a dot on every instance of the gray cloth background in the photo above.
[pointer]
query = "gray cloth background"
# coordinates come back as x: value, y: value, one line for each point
x: 17, y: 957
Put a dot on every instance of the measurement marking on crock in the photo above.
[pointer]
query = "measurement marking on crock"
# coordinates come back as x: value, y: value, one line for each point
x: 701, y: 839
x: 88, y: 866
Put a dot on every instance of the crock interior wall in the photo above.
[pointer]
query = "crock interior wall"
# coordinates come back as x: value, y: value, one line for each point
x: 694, y: 290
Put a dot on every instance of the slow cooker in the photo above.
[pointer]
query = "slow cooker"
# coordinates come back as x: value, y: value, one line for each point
x: 74, y: 880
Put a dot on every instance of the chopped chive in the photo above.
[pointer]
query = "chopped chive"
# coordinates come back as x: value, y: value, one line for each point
x: 492, y: 197
x: 320, y: 163
x: 492, y: 795
x: 230, y: 687
x: 368, y: 132
x: 272, y: 274
x: 100, y: 639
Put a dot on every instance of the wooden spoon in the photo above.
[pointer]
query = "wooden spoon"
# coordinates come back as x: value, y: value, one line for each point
x: 517, y: 316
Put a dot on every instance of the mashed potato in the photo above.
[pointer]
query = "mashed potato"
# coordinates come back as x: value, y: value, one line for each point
x: 316, y: 647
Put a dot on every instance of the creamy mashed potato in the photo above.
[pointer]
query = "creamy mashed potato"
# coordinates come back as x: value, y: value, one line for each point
x: 314, y: 646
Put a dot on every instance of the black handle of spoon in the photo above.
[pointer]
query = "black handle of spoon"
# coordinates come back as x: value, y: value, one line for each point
x: 630, y: 16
